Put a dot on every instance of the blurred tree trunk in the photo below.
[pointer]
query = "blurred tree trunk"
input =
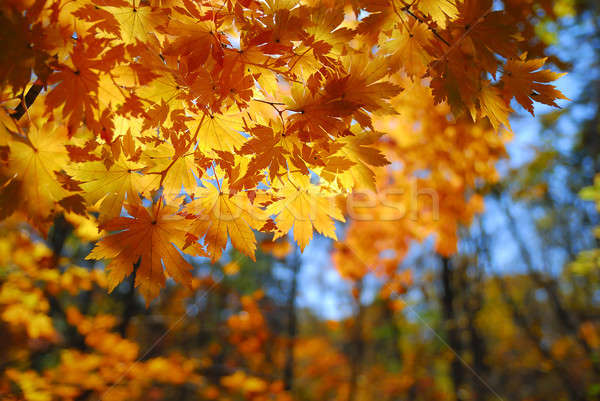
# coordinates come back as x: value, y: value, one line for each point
x: 130, y: 304
x: 473, y: 302
x: 450, y: 323
x: 357, y: 344
x: 292, y: 323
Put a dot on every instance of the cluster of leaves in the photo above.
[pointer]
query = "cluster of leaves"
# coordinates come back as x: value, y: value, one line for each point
x: 90, y: 356
x: 181, y: 124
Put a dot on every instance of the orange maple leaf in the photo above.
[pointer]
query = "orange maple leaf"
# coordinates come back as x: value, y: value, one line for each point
x: 527, y: 83
x: 150, y: 238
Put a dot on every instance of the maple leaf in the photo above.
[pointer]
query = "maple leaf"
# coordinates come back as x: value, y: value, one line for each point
x: 218, y: 132
x: 327, y: 34
x: 137, y: 19
x: 488, y: 31
x: 439, y: 10
x: 494, y: 106
x: 258, y: 64
x: 195, y: 39
x: 453, y: 82
x: 22, y: 47
x: 101, y: 19
x: 303, y: 208
x: 281, y: 29
x: 167, y: 88
x: 150, y: 238
x: 357, y: 149
x: 315, y: 115
x: 233, y: 85
x: 177, y: 170
x: 217, y: 214
x: 31, y: 168
x: 408, y: 48
x: 107, y: 187
x: 380, y: 19
x: 524, y: 80
x: 267, y: 96
x: 76, y: 87
x: 366, y: 86
x: 267, y: 150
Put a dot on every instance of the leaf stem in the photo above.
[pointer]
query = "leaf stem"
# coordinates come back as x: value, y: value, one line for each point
x: 216, y: 178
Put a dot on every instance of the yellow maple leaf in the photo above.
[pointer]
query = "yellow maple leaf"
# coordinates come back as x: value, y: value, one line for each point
x: 218, y: 131
x: 108, y: 187
x: 357, y: 149
x: 439, y: 10
x: 32, y: 163
x: 304, y: 207
x: 366, y: 84
x: 408, y: 48
x: 164, y: 89
x: 178, y: 169
x: 217, y: 214
x: 494, y: 107
x: 137, y: 20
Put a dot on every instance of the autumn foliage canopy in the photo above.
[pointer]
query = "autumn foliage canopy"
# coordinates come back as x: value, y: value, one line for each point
x: 175, y: 126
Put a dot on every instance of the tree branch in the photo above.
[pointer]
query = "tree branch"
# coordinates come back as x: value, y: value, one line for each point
x: 26, y: 102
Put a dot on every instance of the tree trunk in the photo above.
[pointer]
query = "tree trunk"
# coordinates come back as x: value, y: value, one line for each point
x: 451, y: 325
x: 130, y: 304
x: 356, y: 345
x: 292, y: 320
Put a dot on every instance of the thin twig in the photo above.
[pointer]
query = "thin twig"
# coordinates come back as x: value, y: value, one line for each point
x: 432, y: 29
x: 271, y: 103
x: 407, y: 10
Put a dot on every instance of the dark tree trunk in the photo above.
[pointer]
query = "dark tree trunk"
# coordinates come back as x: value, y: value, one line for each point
x: 357, y: 345
x: 292, y: 322
x: 451, y: 325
